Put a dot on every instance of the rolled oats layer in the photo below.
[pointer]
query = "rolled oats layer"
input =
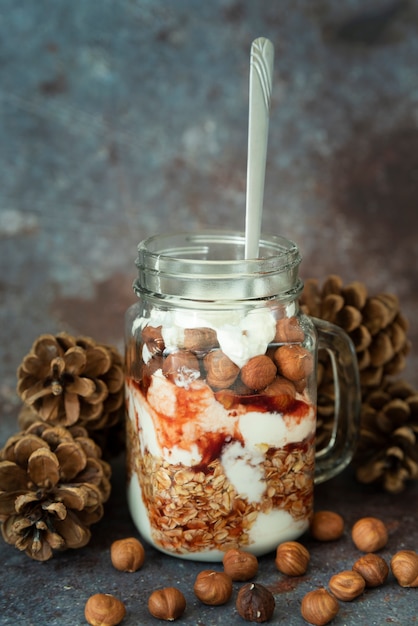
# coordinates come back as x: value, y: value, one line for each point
x: 198, y: 509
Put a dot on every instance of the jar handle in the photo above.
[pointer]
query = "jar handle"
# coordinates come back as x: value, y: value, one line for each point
x: 338, y: 453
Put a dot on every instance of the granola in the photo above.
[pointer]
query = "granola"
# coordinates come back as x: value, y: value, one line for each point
x: 191, y: 510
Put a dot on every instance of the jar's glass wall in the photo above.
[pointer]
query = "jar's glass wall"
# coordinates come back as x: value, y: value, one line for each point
x: 221, y: 425
x: 221, y: 396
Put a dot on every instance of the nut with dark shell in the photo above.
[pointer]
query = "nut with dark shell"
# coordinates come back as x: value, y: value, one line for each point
x: 255, y: 603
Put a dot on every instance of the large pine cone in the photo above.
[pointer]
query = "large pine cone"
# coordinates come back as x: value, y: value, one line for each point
x: 376, y: 327
x: 68, y: 380
x: 53, y: 484
x: 387, y: 452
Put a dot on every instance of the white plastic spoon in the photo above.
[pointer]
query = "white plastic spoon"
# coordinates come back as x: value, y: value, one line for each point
x: 261, y: 79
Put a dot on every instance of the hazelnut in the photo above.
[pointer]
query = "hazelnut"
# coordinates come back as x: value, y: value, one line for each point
x: 103, y: 609
x: 373, y: 568
x: 300, y: 385
x: 319, y: 607
x: 153, y: 339
x: 227, y: 398
x: 168, y: 603
x: 369, y: 534
x: 258, y: 372
x: 292, y: 558
x: 181, y: 367
x: 288, y: 330
x: 347, y: 585
x: 404, y: 566
x: 127, y: 555
x: 221, y: 372
x: 212, y: 587
x: 240, y: 565
x: 283, y: 393
x: 200, y: 339
x: 326, y: 526
x: 255, y: 603
x: 294, y: 362
x: 148, y: 369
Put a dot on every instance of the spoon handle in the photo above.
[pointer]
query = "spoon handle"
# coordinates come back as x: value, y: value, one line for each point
x: 261, y: 78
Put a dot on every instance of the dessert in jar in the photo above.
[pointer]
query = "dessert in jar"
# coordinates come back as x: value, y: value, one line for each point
x: 221, y: 397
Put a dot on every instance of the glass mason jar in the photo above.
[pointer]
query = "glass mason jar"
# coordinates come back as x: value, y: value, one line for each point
x: 221, y: 396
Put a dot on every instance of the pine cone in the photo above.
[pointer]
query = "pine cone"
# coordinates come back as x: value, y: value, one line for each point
x: 53, y: 484
x: 376, y: 327
x: 68, y: 380
x: 387, y: 452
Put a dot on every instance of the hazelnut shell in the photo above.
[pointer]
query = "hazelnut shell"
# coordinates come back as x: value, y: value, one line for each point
x: 319, y: 607
x: 255, y: 603
x: 168, y: 603
x: 127, y: 555
x: 404, y: 565
x: 104, y: 609
x: 326, y: 526
x: 347, y: 585
x: 292, y: 558
x: 240, y: 565
x: 373, y: 568
x: 369, y: 534
x: 213, y: 588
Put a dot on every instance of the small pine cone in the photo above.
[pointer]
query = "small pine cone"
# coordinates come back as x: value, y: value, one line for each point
x: 387, y: 451
x: 68, y: 380
x: 376, y: 327
x: 53, y: 484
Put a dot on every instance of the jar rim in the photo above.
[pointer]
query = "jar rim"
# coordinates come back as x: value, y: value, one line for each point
x: 215, y: 260
x: 164, y: 244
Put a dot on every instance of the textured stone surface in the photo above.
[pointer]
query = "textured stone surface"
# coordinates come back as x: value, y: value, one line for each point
x: 123, y: 119
x: 54, y: 593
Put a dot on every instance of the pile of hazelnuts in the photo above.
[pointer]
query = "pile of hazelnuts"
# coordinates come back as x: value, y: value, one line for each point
x: 255, y: 602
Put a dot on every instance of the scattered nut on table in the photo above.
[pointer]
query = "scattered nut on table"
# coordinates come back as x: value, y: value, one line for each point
x: 292, y: 558
x: 213, y: 588
x: 168, y: 603
x: 404, y: 565
x: 127, y: 555
x: 326, y: 526
x: 319, y: 607
x: 255, y: 603
x: 373, y: 568
x: 240, y: 565
x: 369, y: 534
x: 104, y: 609
x: 347, y: 585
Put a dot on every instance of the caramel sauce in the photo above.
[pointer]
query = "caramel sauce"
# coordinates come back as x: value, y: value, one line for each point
x: 184, y: 431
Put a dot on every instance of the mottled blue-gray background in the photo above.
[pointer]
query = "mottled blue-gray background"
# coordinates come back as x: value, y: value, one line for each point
x: 123, y: 118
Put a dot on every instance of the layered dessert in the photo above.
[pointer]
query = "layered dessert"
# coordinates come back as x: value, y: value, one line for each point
x: 221, y: 427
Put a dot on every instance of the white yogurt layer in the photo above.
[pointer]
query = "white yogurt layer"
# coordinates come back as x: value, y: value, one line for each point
x: 244, y: 470
x: 275, y: 430
x: 277, y: 523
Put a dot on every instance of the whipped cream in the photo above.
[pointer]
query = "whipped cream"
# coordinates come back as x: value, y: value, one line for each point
x: 241, y: 336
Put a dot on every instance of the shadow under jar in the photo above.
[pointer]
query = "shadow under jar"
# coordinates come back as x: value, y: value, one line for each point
x: 221, y: 396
